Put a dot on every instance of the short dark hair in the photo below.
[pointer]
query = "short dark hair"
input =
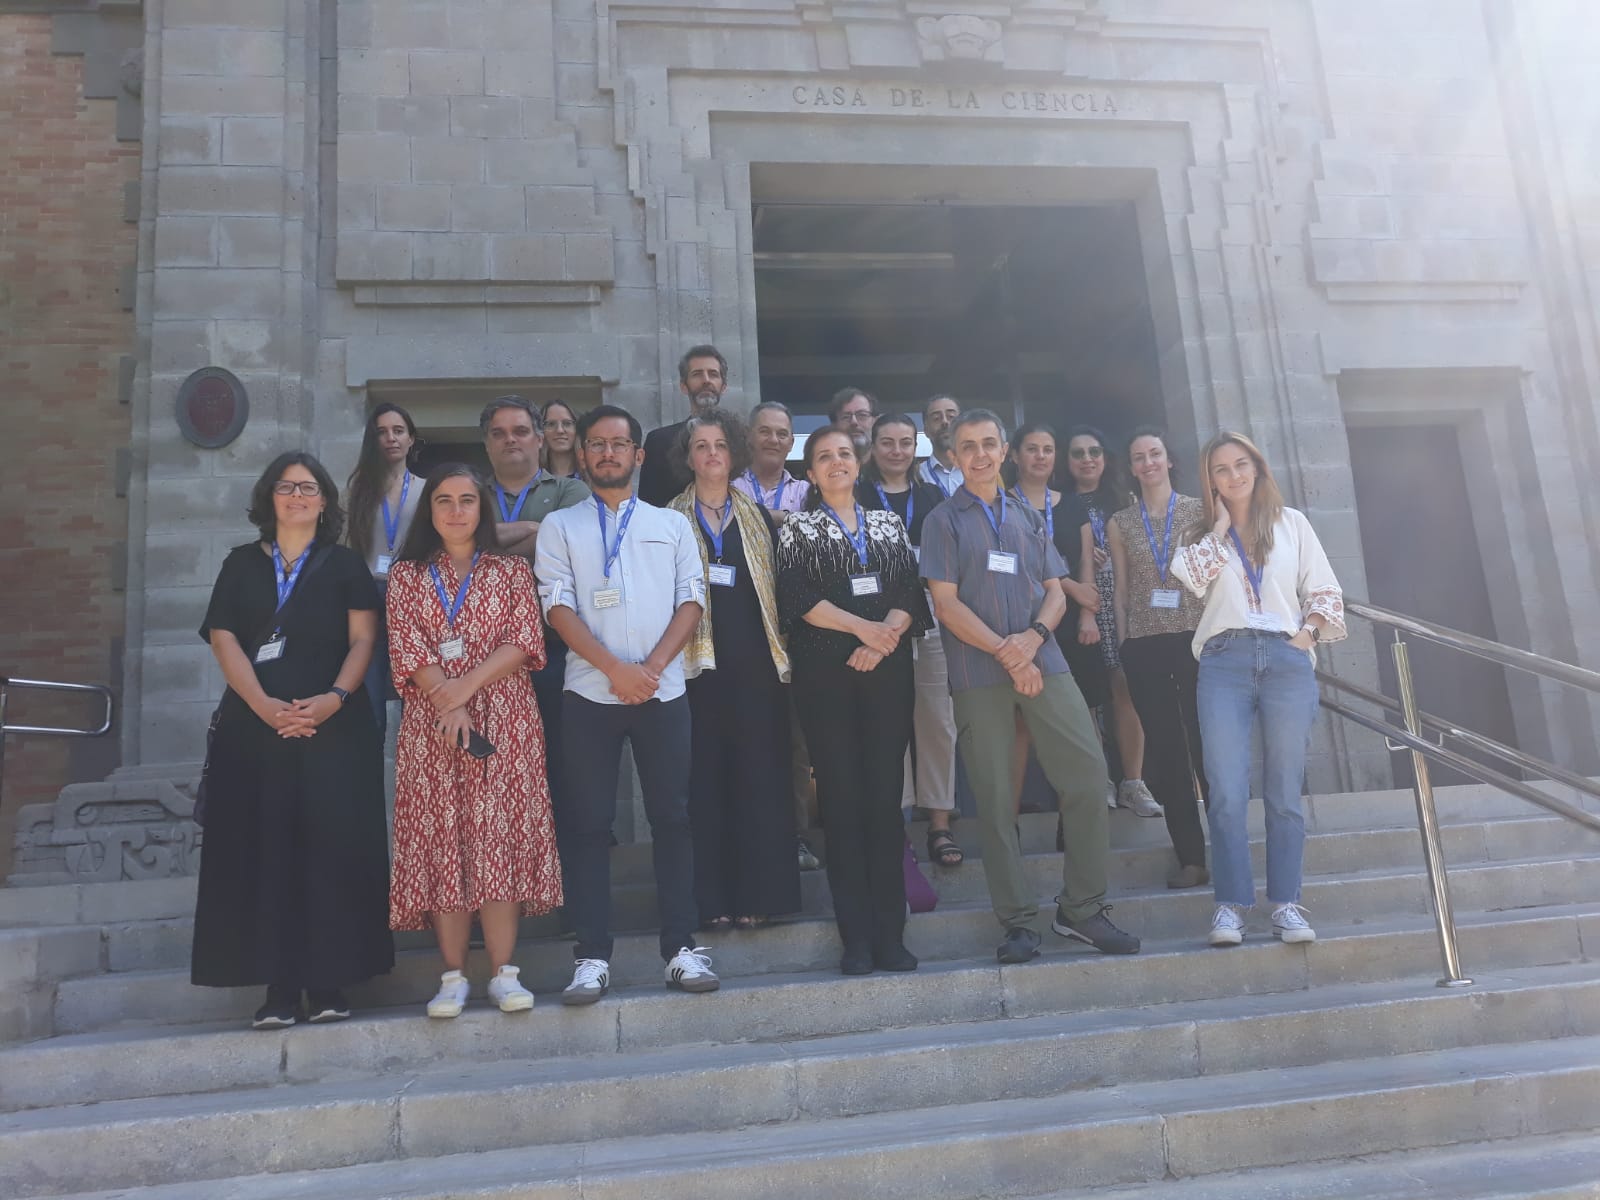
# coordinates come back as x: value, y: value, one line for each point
x: 602, y: 412
x: 733, y: 429
x: 423, y: 540
x: 978, y: 416
x: 808, y: 459
x: 846, y: 394
x: 929, y: 402
x: 264, y: 516
x: 771, y: 406
x: 694, y: 352
x: 513, y: 401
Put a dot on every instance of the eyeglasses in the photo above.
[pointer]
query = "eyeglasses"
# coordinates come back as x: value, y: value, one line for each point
x: 561, y: 425
x: 288, y: 487
x: 859, y: 418
x: 618, y: 446
x: 1082, y: 453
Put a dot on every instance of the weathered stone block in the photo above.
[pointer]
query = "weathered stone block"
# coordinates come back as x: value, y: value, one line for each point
x: 355, y: 206
x: 217, y: 96
x: 589, y: 258
x: 518, y: 73
x: 446, y: 73
x: 363, y: 256
x: 225, y: 14
x: 419, y: 116
x: 251, y: 241
x: 374, y: 157
x: 188, y: 140
x: 485, y: 116
x: 463, y: 256
x: 561, y: 208
x: 446, y: 160
x: 416, y: 23
x: 415, y: 207
x: 527, y: 257
x: 186, y: 241
x: 207, y: 292
x: 374, y: 72
x: 475, y: 208
x: 248, y: 141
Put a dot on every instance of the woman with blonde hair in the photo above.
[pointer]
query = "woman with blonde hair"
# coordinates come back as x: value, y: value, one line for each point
x: 1270, y: 596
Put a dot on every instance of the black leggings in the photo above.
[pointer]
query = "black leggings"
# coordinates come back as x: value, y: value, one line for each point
x: 1162, y: 673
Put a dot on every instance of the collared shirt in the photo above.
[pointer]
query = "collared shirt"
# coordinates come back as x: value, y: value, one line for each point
x: 956, y: 542
x: 550, y: 494
x: 791, y: 492
x: 947, y: 479
x: 657, y: 569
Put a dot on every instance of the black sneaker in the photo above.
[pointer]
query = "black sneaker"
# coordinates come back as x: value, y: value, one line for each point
x: 1021, y: 945
x: 281, y: 1010
x: 856, y: 960
x: 326, y: 1005
x: 1097, y: 931
x: 894, y: 958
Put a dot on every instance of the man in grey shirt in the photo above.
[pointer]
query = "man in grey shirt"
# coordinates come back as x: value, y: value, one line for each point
x: 996, y: 585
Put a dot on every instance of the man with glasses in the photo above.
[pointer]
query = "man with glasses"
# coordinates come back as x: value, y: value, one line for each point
x: 525, y: 496
x: 853, y: 411
x: 939, y: 412
x: 623, y: 585
x: 703, y: 377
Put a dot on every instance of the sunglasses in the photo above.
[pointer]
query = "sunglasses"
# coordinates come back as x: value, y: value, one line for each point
x: 1084, y: 453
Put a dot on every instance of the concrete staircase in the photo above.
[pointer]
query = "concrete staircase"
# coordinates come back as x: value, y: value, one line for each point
x: 1335, y: 1070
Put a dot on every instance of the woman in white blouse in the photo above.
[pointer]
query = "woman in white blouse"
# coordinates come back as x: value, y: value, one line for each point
x: 1270, y: 597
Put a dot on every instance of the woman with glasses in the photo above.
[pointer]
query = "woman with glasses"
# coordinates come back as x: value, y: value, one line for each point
x: 473, y: 831
x: 560, y: 456
x: 1099, y: 487
x: 383, y: 499
x: 850, y: 601
x: 293, y: 878
x: 1156, y: 620
x: 737, y: 672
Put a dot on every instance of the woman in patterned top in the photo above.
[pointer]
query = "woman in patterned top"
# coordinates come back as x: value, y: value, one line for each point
x: 1156, y: 619
x: 1270, y: 597
x: 473, y: 831
x: 848, y: 597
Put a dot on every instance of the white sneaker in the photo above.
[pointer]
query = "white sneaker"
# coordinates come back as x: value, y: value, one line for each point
x: 1227, y: 926
x: 591, y: 979
x: 690, y: 969
x: 1289, y: 924
x: 509, y: 994
x: 452, y: 998
x: 1136, y: 798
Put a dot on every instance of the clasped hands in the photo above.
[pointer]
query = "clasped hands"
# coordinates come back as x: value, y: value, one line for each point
x: 298, y: 718
x: 634, y: 683
x: 1016, y: 654
x: 878, y: 640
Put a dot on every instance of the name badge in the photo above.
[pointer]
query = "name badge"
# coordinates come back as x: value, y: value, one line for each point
x: 721, y: 575
x: 1003, y: 562
x: 383, y: 563
x: 606, y: 597
x: 271, y: 649
x: 1263, y: 620
x: 1165, y: 598
x: 453, y: 649
x: 865, y: 585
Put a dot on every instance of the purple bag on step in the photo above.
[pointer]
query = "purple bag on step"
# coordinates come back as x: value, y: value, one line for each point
x: 920, y: 896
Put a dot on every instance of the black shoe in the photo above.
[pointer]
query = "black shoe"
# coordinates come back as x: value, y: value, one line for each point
x: 281, y: 1010
x: 1097, y: 931
x: 856, y: 960
x: 1020, y: 946
x: 894, y: 958
x: 326, y: 1005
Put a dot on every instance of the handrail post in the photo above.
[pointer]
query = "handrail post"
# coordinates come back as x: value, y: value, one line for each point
x: 1428, y: 822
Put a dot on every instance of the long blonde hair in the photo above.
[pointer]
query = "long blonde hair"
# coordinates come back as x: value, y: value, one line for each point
x: 1266, y: 501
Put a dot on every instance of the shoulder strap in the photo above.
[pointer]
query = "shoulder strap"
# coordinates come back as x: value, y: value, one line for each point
x: 316, y: 560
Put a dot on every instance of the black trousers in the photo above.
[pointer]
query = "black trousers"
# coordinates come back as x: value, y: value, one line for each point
x: 587, y: 805
x: 858, y: 725
x: 549, y: 688
x: 1162, y: 673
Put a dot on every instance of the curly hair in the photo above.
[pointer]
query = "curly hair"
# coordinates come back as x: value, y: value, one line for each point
x: 733, y: 428
x: 264, y: 516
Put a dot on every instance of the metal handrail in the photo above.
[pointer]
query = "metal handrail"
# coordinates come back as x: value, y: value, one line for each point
x: 48, y: 685
x: 1410, y: 738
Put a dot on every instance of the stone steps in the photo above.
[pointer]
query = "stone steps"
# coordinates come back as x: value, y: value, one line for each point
x: 1139, y: 1132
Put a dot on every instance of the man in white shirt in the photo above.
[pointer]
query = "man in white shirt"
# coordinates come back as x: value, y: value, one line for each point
x: 622, y: 583
x: 939, y: 413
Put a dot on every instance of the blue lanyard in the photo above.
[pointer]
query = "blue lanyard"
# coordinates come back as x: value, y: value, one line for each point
x: 858, y: 539
x: 1048, y: 510
x: 777, y: 492
x: 450, y: 610
x: 391, y: 524
x: 1097, y: 522
x: 287, y: 579
x: 500, y: 492
x: 989, y: 513
x: 612, y: 553
x: 1250, y: 571
x: 911, y: 503
x: 943, y: 477
x: 714, y: 538
x: 1164, y: 558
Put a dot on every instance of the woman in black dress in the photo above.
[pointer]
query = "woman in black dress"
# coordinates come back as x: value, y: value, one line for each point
x: 849, y: 596
x: 740, y: 805
x: 294, y: 881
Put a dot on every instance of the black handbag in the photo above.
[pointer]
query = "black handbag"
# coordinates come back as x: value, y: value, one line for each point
x: 202, y: 789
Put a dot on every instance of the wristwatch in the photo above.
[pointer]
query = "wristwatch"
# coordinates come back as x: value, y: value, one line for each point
x: 1038, y: 627
x: 1314, y: 630
x: 344, y: 696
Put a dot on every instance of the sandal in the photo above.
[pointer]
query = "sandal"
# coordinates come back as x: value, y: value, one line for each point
x: 942, y: 849
x: 750, y: 922
x: 720, y: 924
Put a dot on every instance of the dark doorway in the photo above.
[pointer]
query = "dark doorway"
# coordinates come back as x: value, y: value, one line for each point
x: 1422, y: 559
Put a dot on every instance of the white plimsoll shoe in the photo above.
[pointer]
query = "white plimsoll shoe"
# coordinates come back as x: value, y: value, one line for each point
x: 452, y: 998
x: 508, y: 993
x: 591, y: 978
x: 690, y: 969
x: 1290, y: 925
x: 1136, y: 798
x: 1227, y: 926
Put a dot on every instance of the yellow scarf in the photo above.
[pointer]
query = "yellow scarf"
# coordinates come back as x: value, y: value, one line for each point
x: 700, y: 654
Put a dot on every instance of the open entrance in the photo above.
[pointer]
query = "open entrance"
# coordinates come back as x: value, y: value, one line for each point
x: 446, y: 412
x: 1038, y: 309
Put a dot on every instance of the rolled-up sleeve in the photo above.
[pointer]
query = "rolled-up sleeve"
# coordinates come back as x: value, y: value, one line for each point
x: 689, y: 585
x: 552, y: 565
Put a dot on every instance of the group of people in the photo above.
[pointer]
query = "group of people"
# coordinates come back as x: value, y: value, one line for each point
x: 861, y: 636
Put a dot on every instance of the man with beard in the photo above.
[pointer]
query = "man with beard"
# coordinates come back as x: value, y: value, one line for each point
x: 623, y: 585
x: 852, y: 411
x: 939, y: 413
x: 703, y: 377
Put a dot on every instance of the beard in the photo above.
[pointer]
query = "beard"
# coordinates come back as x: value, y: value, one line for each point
x: 704, y: 399
x: 610, y: 475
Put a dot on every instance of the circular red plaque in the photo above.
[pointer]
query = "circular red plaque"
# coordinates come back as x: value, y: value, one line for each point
x: 212, y: 407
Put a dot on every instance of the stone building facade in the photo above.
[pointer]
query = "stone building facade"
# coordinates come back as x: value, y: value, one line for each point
x: 1350, y: 228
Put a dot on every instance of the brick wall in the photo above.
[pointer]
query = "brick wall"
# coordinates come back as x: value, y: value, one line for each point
x: 63, y: 247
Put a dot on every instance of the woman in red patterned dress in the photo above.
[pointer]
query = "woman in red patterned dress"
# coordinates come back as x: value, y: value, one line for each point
x: 472, y: 832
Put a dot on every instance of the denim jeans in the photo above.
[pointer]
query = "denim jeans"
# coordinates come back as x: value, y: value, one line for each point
x: 1247, y: 674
